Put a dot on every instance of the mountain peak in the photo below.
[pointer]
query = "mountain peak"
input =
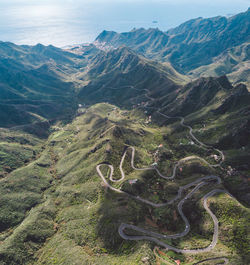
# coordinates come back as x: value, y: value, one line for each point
x: 224, y: 82
x: 242, y: 89
x: 106, y: 36
x: 38, y: 47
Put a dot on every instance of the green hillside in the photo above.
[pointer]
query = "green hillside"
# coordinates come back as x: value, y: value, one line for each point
x: 234, y: 62
x: 37, y: 83
x: 65, y: 215
x: 203, y: 46
x: 110, y: 157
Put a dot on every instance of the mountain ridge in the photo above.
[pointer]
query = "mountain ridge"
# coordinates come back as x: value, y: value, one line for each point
x: 96, y: 141
x: 188, y: 46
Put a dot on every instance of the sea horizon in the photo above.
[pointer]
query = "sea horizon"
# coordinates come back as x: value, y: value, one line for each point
x: 65, y: 23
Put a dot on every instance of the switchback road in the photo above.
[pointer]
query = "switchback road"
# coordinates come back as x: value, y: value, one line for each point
x: 197, y: 184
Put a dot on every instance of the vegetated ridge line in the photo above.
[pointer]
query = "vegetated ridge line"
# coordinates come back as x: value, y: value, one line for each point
x: 152, y: 236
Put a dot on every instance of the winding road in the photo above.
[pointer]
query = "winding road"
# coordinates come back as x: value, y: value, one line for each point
x: 222, y: 157
x: 152, y: 236
x: 197, y: 184
x: 226, y: 261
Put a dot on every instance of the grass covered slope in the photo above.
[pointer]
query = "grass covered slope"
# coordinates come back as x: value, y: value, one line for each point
x: 56, y: 207
x: 69, y: 217
x: 17, y: 149
x: 234, y: 62
x: 119, y: 75
x: 37, y: 83
x: 202, y: 46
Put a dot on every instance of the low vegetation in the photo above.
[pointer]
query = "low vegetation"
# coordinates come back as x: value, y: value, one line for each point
x: 58, y: 212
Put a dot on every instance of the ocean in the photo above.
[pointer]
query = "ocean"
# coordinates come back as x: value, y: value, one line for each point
x: 67, y: 22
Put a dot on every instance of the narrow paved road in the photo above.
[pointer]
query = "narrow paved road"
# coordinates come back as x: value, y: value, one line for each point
x: 197, y: 184
x: 226, y: 261
x: 152, y: 236
x: 222, y: 157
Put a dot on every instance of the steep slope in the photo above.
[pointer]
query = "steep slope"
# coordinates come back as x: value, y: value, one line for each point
x: 165, y: 148
x: 147, y: 42
x: 122, y: 78
x: 207, y: 38
x: 196, y: 95
x: 193, y: 44
x: 36, y: 83
x: 120, y: 75
x: 66, y: 216
x: 234, y: 62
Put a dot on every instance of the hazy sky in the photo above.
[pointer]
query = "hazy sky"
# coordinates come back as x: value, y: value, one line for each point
x: 62, y: 22
x: 215, y: 2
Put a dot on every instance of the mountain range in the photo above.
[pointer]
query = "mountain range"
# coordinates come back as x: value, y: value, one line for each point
x: 208, y: 46
x: 179, y: 97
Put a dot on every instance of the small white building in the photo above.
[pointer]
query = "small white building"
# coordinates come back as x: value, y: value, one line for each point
x: 132, y: 181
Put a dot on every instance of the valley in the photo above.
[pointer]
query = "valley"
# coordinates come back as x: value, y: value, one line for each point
x: 133, y: 149
x: 76, y: 210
